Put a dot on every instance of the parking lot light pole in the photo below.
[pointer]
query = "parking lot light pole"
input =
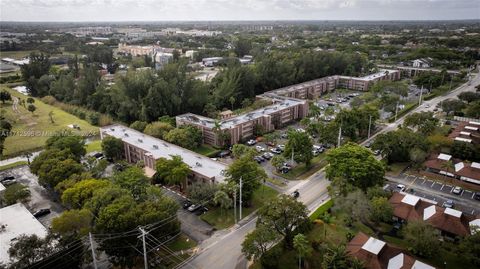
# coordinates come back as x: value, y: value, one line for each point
x: 240, y: 197
x: 235, y: 204
x: 369, y: 125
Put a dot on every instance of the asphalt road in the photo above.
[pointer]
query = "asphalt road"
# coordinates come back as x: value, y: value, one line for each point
x: 224, y: 250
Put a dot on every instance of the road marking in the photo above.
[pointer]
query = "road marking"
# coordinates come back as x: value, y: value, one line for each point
x: 414, y: 179
x: 451, y: 190
x: 473, y: 211
x: 473, y: 195
x: 431, y: 186
x: 443, y: 185
x: 449, y: 186
x: 424, y: 181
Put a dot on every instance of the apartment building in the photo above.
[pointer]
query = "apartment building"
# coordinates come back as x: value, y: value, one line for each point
x: 287, y: 104
x: 141, y: 147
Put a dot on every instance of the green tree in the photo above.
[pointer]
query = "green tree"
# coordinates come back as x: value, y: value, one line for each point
x: 112, y: 147
x: 382, y: 210
x: 139, y: 125
x: 54, y: 171
x: 31, y: 108
x: 422, y: 238
x: 473, y: 110
x: 77, y: 195
x: 158, y: 129
x: 50, y: 116
x: 469, y: 96
x: 250, y: 172
x: 354, y: 165
x: 257, y: 242
x: 452, y: 106
x: 75, y: 144
x: 336, y: 257
x: 30, y: 100
x: 38, y: 66
x: 284, y: 215
x: 200, y: 193
x: 417, y: 157
x: 185, y: 136
x: 469, y: 247
x: 465, y: 151
x: 73, y: 222
x: 221, y: 199
x: 239, y: 150
x: 423, y: 121
x: 300, y: 145
x: 5, y: 96
x: 173, y: 171
x: 356, y: 206
x: 132, y: 179
x: 15, y: 193
x: 278, y: 161
x: 302, y: 247
x: 395, y: 146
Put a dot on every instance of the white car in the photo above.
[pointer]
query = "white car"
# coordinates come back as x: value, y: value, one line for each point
x: 251, y: 142
x: 401, y: 187
x: 260, y: 148
x: 457, y: 190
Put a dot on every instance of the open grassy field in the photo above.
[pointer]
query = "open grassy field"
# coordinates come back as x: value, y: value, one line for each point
x: 95, y: 145
x: 207, y: 150
x: 12, y: 165
x: 31, y: 130
x: 15, y: 54
x: 222, y: 219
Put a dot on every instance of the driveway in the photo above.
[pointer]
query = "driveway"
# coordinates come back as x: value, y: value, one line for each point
x: 40, y: 197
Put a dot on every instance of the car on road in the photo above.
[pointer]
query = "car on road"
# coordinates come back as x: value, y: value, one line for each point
x: 7, y: 178
x: 295, y: 194
x: 194, y: 207
x: 251, y: 142
x: 448, y: 204
x: 400, y: 187
x: 41, y: 213
x: 260, y: 148
x: 457, y: 190
x: 186, y: 204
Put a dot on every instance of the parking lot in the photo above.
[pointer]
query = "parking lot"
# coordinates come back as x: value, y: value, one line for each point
x: 40, y: 198
x: 440, y: 192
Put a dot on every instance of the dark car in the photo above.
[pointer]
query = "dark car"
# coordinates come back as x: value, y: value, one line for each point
x: 9, y: 182
x: 296, y: 194
x: 98, y: 155
x: 186, y: 204
x: 202, y: 210
x: 223, y: 153
x: 7, y: 178
x: 41, y: 212
x: 477, y: 196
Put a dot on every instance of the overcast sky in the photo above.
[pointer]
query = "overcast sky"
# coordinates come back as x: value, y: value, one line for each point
x: 162, y: 10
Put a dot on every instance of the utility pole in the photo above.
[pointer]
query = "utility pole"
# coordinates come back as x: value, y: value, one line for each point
x: 235, y: 204
x: 369, y: 125
x: 339, y: 136
x: 93, y: 250
x: 396, y: 111
x: 144, y: 247
x: 420, y: 98
x: 240, y: 198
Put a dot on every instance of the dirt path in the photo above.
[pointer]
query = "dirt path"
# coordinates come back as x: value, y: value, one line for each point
x: 15, y: 104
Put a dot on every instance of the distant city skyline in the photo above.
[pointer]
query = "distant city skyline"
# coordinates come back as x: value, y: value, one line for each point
x: 212, y: 10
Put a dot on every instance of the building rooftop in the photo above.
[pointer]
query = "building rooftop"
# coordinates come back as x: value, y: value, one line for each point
x: 420, y: 265
x: 429, y: 212
x: 159, y: 148
x: 453, y: 212
x: 445, y: 157
x: 373, y: 245
x: 410, y: 199
x: 16, y: 220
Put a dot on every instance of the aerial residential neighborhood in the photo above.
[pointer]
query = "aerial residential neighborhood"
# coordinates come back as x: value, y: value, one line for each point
x: 240, y: 134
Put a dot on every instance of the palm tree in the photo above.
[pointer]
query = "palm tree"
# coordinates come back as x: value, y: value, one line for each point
x: 179, y: 171
x: 302, y: 246
x: 314, y: 111
x: 335, y: 257
x: 448, y: 166
x: 221, y: 198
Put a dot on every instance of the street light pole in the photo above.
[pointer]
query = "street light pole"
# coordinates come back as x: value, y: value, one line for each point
x: 369, y: 125
x: 144, y: 247
x: 235, y: 204
x: 240, y: 197
x: 396, y: 111
x: 93, y: 251
x: 339, y: 136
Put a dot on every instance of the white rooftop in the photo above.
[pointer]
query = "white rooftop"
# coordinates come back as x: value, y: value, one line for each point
x: 461, y: 139
x: 453, y: 212
x: 2, y: 188
x: 420, y: 265
x: 474, y: 226
x: 396, y: 262
x: 474, y: 123
x: 429, y: 212
x: 459, y: 166
x: 476, y: 165
x: 445, y: 157
x: 159, y: 148
x: 471, y: 128
x: 465, y: 133
x: 373, y: 245
x: 16, y: 220
x: 410, y: 199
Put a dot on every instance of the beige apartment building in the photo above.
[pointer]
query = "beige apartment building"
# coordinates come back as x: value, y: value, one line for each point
x: 288, y: 104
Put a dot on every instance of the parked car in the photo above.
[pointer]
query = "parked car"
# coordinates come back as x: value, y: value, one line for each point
x: 9, y: 182
x: 260, y: 148
x: 7, y: 178
x: 477, y: 196
x: 267, y: 155
x: 284, y: 135
x: 457, y: 190
x: 281, y: 147
x: 41, y: 212
x: 194, y: 207
x: 186, y: 204
x: 224, y: 153
x: 295, y: 194
x: 448, y: 204
x: 276, y: 150
x: 269, y: 143
x: 285, y: 169
x: 376, y: 152
x: 98, y: 155
x: 259, y: 159
x: 401, y: 187
x: 315, y: 153
x: 251, y: 142
x: 202, y: 210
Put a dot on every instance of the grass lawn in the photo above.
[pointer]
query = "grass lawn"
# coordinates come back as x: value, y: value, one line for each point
x: 30, y: 131
x: 207, y: 150
x: 95, y: 145
x: 301, y: 171
x: 12, y: 165
x: 221, y: 219
x: 18, y: 54
x: 322, y: 209
x: 183, y: 242
x: 395, y: 169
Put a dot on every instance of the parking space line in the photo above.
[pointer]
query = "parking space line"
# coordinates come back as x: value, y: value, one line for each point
x: 473, y: 195
x: 443, y: 185
x: 431, y: 186
x: 414, y: 179
x: 449, y: 186
x: 451, y: 190
x: 424, y: 181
